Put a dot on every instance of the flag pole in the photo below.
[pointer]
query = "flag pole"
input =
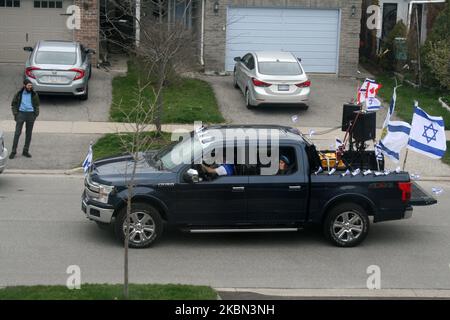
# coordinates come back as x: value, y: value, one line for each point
x: 406, y: 158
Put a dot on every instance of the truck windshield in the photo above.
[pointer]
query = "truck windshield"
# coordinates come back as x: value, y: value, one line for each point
x: 179, y: 152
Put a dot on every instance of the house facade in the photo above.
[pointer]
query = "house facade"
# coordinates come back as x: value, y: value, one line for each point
x: 24, y: 22
x: 323, y: 33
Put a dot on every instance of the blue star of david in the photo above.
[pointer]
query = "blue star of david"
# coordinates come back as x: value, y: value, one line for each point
x: 432, y: 136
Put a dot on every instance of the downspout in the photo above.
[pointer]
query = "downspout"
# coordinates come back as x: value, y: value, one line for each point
x: 202, y: 35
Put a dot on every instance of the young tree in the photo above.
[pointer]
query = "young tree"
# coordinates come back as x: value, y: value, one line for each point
x: 162, y: 41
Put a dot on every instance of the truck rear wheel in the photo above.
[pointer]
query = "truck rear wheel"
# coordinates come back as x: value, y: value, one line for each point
x: 145, y: 228
x: 346, y: 225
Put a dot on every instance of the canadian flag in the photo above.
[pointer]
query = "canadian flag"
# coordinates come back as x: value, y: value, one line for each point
x: 369, y: 89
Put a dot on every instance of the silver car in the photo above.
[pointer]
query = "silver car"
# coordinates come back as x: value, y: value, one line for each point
x: 272, y: 78
x: 3, y: 153
x: 59, y: 67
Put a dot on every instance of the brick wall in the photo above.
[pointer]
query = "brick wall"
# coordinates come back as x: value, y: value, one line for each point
x: 88, y: 35
x: 215, y: 29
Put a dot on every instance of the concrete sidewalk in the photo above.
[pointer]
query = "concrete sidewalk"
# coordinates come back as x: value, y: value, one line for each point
x: 324, y: 138
x: 301, y: 294
x: 92, y: 127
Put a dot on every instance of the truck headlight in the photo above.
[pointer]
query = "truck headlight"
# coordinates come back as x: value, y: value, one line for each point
x: 98, y: 192
x: 103, y: 193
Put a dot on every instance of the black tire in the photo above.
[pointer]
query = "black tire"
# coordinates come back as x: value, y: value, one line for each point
x: 85, y: 96
x: 247, y: 100
x: 305, y: 107
x: 138, y: 212
x: 348, y: 232
x: 90, y: 72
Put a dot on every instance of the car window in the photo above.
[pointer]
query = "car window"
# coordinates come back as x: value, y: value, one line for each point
x: 55, y: 57
x: 287, y: 153
x: 246, y: 59
x: 251, y: 63
x: 83, y: 53
x: 280, y: 68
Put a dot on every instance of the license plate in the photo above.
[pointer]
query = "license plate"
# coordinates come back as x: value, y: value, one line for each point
x: 53, y: 79
x: 283, y: 87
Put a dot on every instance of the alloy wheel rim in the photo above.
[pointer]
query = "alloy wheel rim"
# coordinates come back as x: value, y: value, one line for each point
x: 347, y: 226
x: 141, y: 228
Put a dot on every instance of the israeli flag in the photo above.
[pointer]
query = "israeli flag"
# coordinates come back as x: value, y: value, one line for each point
x: 395, y: 140
x: 88, y: 161
x: 427, y: 134
x: 338, y: 143
x: 391, y: 109
x: 373, y: 104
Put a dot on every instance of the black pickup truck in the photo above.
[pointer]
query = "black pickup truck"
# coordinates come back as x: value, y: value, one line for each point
x: 186, y: 195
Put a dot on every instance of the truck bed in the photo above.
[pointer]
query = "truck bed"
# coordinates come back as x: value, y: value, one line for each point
x: 420, y: 197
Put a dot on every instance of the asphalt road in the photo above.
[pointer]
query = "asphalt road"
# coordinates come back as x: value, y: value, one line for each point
x: 43, y: 231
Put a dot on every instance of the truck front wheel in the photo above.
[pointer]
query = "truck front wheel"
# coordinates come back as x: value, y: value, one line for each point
x: 346, y: 225
x: 145, y: 227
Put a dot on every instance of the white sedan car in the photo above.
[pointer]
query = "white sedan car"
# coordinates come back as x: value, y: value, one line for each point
x: 275, y: 78
x: 3, y: 153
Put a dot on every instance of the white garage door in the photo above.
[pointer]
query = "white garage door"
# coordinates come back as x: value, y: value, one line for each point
x: 312, y: 35
x: 23, y: 22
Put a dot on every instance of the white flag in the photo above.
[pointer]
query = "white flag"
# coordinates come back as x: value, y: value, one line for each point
x: 391, y: 109
x: 427, y: 134
x: 395, y: 140
x: 88, y: 160
x: 373, y: 104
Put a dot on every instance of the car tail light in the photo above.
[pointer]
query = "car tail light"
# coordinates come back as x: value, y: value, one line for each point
x: 29, y: 72
x: 260, y: 83
x: 305, y: 84
x: 405, y: 187
x: 79, y: 73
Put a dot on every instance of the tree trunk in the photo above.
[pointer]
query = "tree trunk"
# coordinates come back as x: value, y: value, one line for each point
x: 127, y: 223
x: 159, y: 98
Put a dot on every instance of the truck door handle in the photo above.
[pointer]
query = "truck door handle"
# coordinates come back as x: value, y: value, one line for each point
x: 238, y: 189
x: 295, y: 188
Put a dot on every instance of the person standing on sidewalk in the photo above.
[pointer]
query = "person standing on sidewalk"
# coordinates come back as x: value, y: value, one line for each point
x: 25, y: 108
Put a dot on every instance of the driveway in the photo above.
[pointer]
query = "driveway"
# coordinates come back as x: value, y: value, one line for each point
x: 328, y: 94
x: 61, y: 108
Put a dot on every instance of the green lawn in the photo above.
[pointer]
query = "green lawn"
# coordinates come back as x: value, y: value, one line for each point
x: 111, y: 144
x: 109, y: 292
x: 447, y: 99
x: 428, y: 100
x: 185, y: 100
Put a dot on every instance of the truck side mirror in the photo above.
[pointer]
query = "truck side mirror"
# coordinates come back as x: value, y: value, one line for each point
x: 191, y: 176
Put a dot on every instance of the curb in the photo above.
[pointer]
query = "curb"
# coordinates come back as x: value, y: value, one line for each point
x: 446, y: 106
x: 345, y: 293
x: 71, y: 172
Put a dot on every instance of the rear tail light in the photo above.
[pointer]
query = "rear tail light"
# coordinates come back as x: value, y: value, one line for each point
x: 260, y: 83
x: 79, y: 73
x: 29, y: 72
x: 305, y: 84
x: 405, y: 187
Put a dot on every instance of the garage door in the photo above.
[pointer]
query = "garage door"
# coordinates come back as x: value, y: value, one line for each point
x: 23, y: 22
x: 312, y: 35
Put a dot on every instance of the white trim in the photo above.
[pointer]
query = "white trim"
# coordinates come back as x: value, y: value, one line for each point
x: 202, y: 35
x: 138, y: 23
